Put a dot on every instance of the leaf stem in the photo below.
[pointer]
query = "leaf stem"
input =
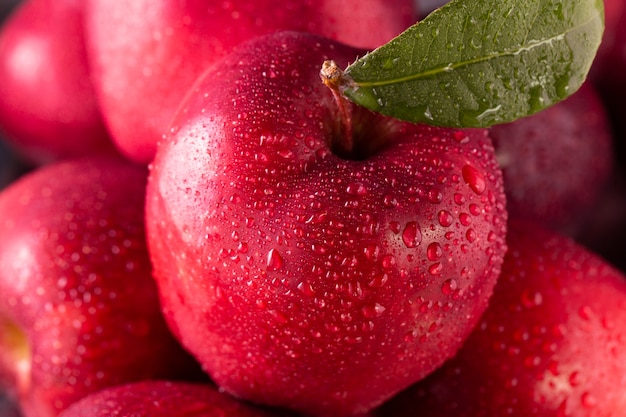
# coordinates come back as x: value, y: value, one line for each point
x: 335, y: 79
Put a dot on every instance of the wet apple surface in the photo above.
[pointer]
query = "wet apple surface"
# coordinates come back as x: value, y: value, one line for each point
x: 331, y: 269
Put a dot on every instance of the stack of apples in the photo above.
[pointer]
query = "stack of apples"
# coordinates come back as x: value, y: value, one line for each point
x: 192, y: 223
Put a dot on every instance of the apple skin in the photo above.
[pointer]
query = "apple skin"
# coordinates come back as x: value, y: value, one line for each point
x: 294, y: 275
x: 550, y: 344
x: 159, y: 398
x: 79, y: 309
x: 557, y: 162
x: 48, y: 109
x: 146, y: 54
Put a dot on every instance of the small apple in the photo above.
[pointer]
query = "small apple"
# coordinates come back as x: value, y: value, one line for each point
x: 550, y: 344
x: 158, y: 398
x: 48, y: 108
x: 146, y: 54
x: 79, y: 309
x: 311, y: 256
x: 557, y: 162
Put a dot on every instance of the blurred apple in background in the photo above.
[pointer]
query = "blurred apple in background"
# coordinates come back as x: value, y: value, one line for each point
x: 557, y: 163
x: 79, y: 309
x: 157, y: 398
x: 48, y: 109
x: 146, y: 54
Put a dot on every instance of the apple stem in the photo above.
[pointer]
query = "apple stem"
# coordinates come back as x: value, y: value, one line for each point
x: 335, y: 79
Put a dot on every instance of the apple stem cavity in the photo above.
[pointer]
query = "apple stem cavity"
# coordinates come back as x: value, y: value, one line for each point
x: 337, y: 80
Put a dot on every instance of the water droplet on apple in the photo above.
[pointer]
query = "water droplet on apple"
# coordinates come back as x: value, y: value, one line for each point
x: 390, y: 201
x: 371, y: 251
x: 378, y: 281
x: 461, y: 137
x: 465, y: 219
x: 587, y: 400
x: 286, y: 153
x: 585, y: 312
x: 474, y: 178
x: 274, y: 260
x: 449, y: 286
x: 435, y: 269
x: 434, y: 252
x: 306, y: 289
x: 445, y: 218
x: 373, y: 311
x: 261, y: 157
x: 531, y: 299
x: 575, y: 379
x: 435, y: 195
x: 388, y: 261
x: 356, y: 189
x: 412, y: 235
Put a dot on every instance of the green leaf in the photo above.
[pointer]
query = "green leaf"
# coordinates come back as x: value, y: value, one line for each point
x: 476, y: 63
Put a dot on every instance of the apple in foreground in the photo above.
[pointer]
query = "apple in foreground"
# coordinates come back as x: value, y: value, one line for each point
x: 312, y: 255
x: 550, y: 344
x: 48, y: 109
x: 79, y: 309
x: 159, y: 398
x: 146, y: 54
x: 557, y: 162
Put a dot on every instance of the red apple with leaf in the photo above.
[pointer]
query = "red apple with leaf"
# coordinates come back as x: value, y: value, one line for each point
x: 158, y: 398
x: 48, y: 108
x: 295, y: 265
x: 146, y: 54
x: 304, y: 244
x: 551, y: 343
x: 79, y: 309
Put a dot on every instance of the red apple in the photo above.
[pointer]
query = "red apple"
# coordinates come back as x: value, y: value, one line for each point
x: 158, y: 398
x: 146, y: 54
x: 557, y: 162
x: 304, y: 272
x: 551, y: 344
x: 48, y: 108
x: 79, y: 309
